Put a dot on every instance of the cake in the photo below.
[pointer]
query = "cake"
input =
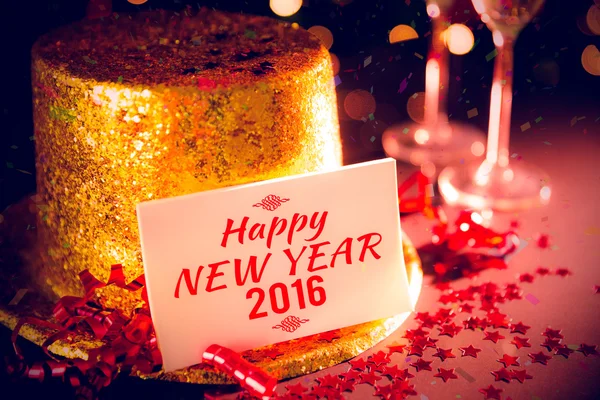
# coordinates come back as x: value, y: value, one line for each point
x: 161, y: 104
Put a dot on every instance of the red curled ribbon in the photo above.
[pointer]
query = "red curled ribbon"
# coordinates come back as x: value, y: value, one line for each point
x: 253, y: 379
x: 132, y: 346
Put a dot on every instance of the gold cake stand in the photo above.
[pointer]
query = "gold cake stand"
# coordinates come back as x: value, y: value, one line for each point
x: 283, y: 360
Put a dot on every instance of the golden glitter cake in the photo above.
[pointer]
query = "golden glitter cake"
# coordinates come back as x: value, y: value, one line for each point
x: 160, y: 104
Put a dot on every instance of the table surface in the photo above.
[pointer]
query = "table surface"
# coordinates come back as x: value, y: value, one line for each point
x: 571, y: 157
x: 570, y: 154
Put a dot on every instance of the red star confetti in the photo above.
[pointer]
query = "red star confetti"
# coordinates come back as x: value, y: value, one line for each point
x: 597, y: 289
x: 427, y: 321
x: 444, y: 315
x: 403, y: 389
x: 396, y: 373
x: 563, y: 351
x: 384, y: 391
x: 526, y: 278
x: 588, y: 350
x: 493, y: 336
x: 415, y: 351
x: 425, y: 342
x: 421, y: 364
x: 497, y: 320
x: 520, y: 342
x: 272, y: 353
x: 551, y: 344
x: 564, y: 272
x: 329, y: 336
x: 346, y: 386
x: 326, y: 393
x: 542, y: 240
x: 543, y: 271
x: 502, y: 375
x: 448, y: 298
x: 553, y: 333
x: 328, y: 381
x: 443, y: 354
x: 475, y: 323
x: 465, y: 295
x: 466, y: 308
x: 469, y: 351
x: 491, y: 392
x: 296, y: 390
x: 411, y: 334
x: 396, y: 348
x: 350, y: 375
x: 514, y: 224
x: 520, y: 375
x: 359, y: 364
x: 370, y: 378
x: 519, y: 327
x: 450, y: 329
x: 379, y: 358
x: 508, y: 360
x: 446, y: 374
x: 539, y: 358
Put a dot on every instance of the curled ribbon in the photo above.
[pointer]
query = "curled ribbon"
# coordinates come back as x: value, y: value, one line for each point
x: 132, y: 346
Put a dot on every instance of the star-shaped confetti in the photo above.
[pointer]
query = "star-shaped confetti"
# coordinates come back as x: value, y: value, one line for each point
x: 543, y: 271
x: 397, y: 348
x: 491, y: 392
x: 520, y: 342
x: 425, y: 342
x: 475, y: 323
x: 369, y: 377
x: 553, y: 333
x: 588, y: 350
x: 350, y: 375
x: 539, y: 358
x: 411, y: 334
x: 498, y: 320
x: 328, y: 381
x: 415, y: 351
x: 329, y: 336
x: 443, y: 354
x: 296, y: 390
x: 427, y: 321
x: 519, y: 327
x: 564, y: 272
x: 384, y: 391
x: 466, y: 308
x: 396, y: 373
x: 421, y: 364
x: 542, y: 240
x: 502, y: 375
x: 446, y: 374
x: 551, y: 344
x: 379, y: 358
x: 359, y: 364
x: 526, y: 278
x: 404, y: 389
x: 597, y: 289
x: 346, y: 386
x: 272, y: 353
x: 509, y: 360
x: 493, y: 336
x: 520, y: 375
x: 450, y: 329
x: 563, y: 351
x: 443, y: 315
x: 469, y: 351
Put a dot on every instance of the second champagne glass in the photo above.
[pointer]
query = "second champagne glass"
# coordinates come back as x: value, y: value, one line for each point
x: 436, y: 141
x: 495, y: 183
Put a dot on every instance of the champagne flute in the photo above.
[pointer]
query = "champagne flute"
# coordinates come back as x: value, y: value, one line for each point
x: 495, y: 183
x: 435, y: 141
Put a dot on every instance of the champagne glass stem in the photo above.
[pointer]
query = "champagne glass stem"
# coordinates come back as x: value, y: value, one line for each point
x: 436, y: 76
x: 500, y: 103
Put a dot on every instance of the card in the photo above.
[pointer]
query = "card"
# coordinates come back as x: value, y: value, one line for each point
x: 262, y: 263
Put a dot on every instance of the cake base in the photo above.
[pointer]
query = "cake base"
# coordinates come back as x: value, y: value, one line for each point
x: 283, y: 360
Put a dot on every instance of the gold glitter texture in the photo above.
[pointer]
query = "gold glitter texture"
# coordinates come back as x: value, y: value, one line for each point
x: 159, y: 104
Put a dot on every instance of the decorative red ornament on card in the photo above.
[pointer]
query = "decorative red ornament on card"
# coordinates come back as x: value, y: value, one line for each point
x: 250, y: 377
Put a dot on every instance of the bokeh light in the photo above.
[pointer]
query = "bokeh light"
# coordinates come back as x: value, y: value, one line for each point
x: 590, y: 60
x: 415, y: 107
x: 402, y: 33
x: 428, y: 169
x: 285, y: 8
x: 477, y: 149
x: 335, y: 62
x: 433, y: 10
x: 323, y: 34
x: 593, y: 19
x: 359, y: 104
x: 459, y: 39
x: 421, y: 136
x: 137, y: 2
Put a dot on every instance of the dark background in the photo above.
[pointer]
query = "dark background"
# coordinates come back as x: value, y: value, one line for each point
x: 548, y: 78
